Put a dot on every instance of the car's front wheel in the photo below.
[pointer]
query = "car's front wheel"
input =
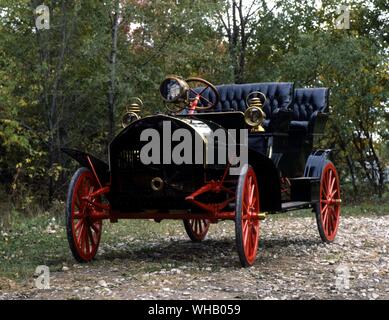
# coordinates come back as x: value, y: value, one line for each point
x: 82, y: 231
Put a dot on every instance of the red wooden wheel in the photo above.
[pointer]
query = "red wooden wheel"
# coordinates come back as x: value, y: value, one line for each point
x: 246, y: 217
x: 83, y: 233
x: 196, y: 229
x: 328, y: 208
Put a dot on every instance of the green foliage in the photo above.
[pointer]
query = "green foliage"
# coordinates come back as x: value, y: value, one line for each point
x: 54, y: 83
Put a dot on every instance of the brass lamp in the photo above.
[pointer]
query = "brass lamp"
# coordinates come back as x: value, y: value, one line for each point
x: 254, y: 115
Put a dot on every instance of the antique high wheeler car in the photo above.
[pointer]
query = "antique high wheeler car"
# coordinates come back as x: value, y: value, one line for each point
x: 283, y: 171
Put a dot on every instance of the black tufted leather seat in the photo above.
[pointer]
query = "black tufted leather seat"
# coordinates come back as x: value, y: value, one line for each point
x: 233, y: 96
x: 308, y: 104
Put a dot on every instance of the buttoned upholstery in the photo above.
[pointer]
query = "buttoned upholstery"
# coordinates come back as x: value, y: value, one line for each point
x: 233, y: 96
x: 307, y: 104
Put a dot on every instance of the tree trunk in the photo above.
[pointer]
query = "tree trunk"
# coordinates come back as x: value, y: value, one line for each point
x: 112, y: 68
x: 351, y: 168
x: 350, y: 163
x: 380, y: 171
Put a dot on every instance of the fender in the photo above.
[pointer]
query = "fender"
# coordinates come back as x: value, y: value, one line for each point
x: 268, y: 181
x: 97, y: 166
x: 316, y: 162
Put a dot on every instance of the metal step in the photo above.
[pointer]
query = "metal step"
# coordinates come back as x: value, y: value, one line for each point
x: 305, y: 178
x: 295, y: 205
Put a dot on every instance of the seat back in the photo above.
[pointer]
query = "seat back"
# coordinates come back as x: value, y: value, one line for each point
x: 309, y: 100
x: 233, y: 96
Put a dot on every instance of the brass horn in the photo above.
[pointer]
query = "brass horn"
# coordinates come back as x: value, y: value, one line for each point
x: 135, y: 106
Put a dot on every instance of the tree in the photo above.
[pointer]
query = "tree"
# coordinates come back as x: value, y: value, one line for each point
x: 112, y: 67
x: 240, y: 22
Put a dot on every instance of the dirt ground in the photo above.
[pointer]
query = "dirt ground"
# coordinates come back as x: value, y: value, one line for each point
x: 292, y: 264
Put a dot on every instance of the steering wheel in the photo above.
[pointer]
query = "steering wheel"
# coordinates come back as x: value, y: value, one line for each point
x: 196, y: 99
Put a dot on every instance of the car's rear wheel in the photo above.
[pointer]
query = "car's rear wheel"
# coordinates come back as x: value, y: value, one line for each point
x: 83, y: 232
x: 196, y: 229
x: 246, y: 217
x: 328, y: 208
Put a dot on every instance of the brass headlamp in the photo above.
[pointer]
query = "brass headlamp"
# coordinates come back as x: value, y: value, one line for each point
x: 174, y: 89
x: 254, y: 115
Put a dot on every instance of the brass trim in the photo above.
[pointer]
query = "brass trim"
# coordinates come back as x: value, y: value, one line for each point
x: 157, y: 184
x: 262, y: 216
x: 129, y: 113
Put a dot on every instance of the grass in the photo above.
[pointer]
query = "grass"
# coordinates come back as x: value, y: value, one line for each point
x: 41, y: 240
x: 26, y: 242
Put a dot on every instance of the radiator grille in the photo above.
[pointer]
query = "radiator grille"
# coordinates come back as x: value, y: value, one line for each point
x: 128, y: 159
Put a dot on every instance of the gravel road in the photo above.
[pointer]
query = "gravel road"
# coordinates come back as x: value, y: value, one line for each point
x: 292, y: 264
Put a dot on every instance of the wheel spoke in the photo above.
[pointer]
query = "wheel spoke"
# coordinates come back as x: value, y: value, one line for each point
x: 81, y: 235
x: 203, y: 98
x: 333, y: 193
x: 200, y: 226
x: 325, y: 184
x: 245, y: 226
x: 202, y: 91
x: 87, y: 187
x: 91, y: 238
x: 329, y: 222
x: 77, y: 215
x: 246, y: 234
x: 331, y: 183
x: 251, y: 194
x: 86, y: 239
x: 77, y: 201
x: 325, y: 214
x: 253, y: 236
x: 81, y: 188
x: 255, y: 202
x: 95, y: 228
x: 194, y: 92
x: 78, y: 225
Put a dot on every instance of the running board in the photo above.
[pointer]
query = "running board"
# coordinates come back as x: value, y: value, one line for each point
x: 295, y: 205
